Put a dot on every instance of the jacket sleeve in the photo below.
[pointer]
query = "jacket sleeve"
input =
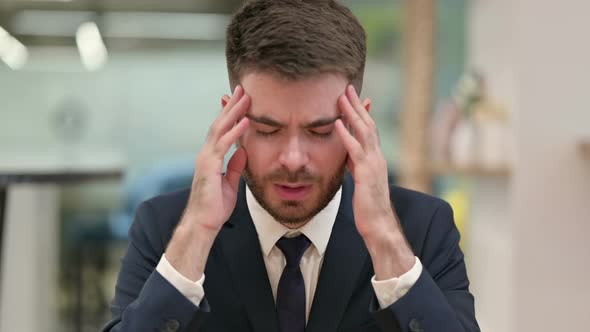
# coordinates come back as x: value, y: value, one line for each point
x: 440, y: 299
x: 144, y: 299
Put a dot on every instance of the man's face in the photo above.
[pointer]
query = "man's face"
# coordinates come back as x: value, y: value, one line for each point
x: 296, y: 160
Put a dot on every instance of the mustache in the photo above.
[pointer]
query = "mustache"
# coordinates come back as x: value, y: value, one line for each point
x: 283, y: 175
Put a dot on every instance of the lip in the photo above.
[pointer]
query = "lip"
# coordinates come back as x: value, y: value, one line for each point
x: 292, y: 192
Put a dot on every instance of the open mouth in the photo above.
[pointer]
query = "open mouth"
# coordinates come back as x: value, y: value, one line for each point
x: 292, y: 192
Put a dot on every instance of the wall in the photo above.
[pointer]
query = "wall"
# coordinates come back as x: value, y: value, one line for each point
x: 537, y: 60
x: 490, y: 240
x: 551, y: 189
x: 147, y: 104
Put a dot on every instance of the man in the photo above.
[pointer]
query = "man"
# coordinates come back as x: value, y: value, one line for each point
x: 302, y: 231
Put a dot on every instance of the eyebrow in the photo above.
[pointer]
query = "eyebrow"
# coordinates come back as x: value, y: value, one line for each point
x: 321, y: 122
x: 273, y: 123
x: 265, y: 120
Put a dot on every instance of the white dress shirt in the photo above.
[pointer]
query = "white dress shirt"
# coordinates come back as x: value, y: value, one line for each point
x: 318, y: 231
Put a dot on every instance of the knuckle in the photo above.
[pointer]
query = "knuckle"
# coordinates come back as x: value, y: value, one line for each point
x: 219, y: 149
x: 216, y: 150
x: 359, y: 155
x: 211, y: 133
x: 368, y: 138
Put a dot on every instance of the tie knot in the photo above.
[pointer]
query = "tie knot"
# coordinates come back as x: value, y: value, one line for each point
x: 293, y: 248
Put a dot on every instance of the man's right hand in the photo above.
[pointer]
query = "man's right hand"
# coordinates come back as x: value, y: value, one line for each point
x: 213, y: 195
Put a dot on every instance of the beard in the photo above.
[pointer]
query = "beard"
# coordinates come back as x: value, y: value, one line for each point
x: 295, y: 212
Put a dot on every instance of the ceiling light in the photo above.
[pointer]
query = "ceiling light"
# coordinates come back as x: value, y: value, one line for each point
x: 93, y: 53
x: 12, y: 51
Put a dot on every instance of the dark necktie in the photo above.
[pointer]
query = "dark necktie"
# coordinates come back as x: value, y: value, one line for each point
x: 291, y: 291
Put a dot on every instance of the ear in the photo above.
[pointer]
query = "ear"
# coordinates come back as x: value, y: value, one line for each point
x: 224, y: 100
x: 367, y: 104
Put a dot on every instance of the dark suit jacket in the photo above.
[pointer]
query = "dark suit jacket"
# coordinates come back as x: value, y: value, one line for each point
x: 238, y: 296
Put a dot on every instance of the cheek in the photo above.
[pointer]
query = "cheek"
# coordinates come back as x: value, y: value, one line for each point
x: 260, y: 153
x: 329, y: 156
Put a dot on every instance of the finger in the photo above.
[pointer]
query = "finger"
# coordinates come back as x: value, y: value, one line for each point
x: 235, y: 98
x: 225, y: 142
x: 367, y: 105
x: 224, y: 100
x: 228, y: 120
x: 354, y: 148
x: 359, y: 127
x: 235, y: 167
x: 371, y: 137
x: 358, y: 106
x: 350, y: 166
x: 215, y: 129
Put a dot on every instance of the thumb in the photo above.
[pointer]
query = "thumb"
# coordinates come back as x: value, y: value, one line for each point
x: 235, y: 167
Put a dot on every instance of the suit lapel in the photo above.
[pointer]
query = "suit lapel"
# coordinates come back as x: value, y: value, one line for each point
x: 343, y: 261
x: 241, y: 249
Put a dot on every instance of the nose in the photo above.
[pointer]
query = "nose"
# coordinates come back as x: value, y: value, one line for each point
x: 293, y: 156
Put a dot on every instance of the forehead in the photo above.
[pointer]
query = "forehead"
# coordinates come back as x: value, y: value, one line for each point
x: 285, y: 99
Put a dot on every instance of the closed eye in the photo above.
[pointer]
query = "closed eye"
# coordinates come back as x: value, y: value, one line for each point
x: 321, y: 134
x: 265, y: 130
x: 322, y: 131
x: 266, y: 133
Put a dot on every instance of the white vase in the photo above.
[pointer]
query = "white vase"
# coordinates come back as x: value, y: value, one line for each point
x: 463, y: 144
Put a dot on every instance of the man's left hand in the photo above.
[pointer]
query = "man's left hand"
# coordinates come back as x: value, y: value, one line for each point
x: 374, y: 216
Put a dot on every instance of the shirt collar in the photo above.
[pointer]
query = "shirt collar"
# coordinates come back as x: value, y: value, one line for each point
x: 317, y: 230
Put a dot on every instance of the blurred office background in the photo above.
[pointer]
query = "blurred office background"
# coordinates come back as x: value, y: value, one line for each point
x: 106, y: 103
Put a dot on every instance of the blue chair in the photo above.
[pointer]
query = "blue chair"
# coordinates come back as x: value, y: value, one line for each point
x: 167, y: 176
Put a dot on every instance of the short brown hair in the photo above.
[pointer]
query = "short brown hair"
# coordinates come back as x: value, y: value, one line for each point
x: 295, y: 39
